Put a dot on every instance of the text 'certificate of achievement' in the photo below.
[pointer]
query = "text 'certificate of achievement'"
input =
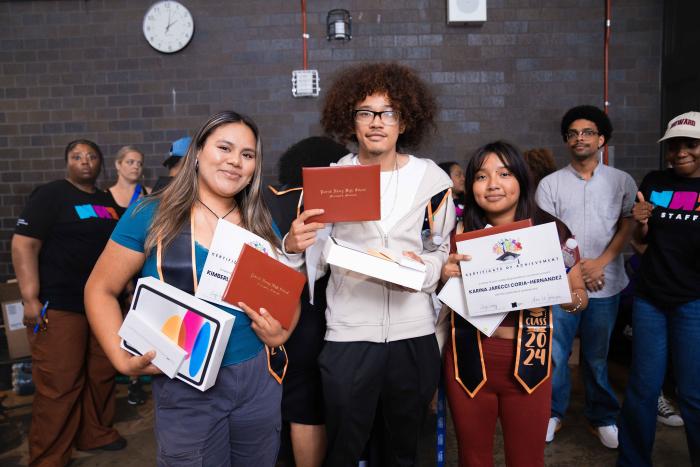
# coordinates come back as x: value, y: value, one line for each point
x: 226, y: 246
x: 513, y: 270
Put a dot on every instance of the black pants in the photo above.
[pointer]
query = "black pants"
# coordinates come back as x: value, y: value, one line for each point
x: 357, y: 375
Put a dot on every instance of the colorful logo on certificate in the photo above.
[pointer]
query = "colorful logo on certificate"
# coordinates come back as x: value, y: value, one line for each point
x: 507, y: 249
x: 259, y: 246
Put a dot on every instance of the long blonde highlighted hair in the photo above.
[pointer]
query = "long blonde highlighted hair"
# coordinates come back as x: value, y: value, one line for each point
x: 177, y: 199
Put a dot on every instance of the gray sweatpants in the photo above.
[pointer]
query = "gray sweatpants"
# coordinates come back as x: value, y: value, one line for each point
x: 234, y: 423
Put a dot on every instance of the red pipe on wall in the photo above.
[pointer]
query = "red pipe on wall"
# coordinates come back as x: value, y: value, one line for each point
x: 304, y: 35
x: 606, y: 59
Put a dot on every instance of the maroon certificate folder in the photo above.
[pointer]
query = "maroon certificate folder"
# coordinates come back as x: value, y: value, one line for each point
x: 346, y: 193
x: 493, y: 230
x: 260, y: 281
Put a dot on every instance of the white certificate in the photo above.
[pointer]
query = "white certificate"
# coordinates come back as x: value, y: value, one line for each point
x: 514, y: 270
x: 452, y: 295
x: 226, y: 246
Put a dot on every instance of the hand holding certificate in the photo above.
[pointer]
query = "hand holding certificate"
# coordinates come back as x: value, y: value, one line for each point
x: 260, y: 281
x: 513, y: 269
x: 345, y: 193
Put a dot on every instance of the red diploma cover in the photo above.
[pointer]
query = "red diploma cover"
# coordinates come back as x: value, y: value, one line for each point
x: 493, y: 230
x: 346, y: 193
x: 260, y: 281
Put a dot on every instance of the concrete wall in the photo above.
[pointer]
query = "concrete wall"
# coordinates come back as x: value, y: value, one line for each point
x: 83, y: 69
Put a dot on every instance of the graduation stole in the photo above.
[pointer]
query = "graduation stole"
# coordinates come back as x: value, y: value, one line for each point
x: 177, y: 266
x: 533, y: 360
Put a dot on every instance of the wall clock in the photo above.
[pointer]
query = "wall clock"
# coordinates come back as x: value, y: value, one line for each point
x: 168, y: 26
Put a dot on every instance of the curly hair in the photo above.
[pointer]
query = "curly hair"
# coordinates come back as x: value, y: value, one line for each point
x: 588, y: 112
x: 315, y: 151
x: 541, y: 163
x: 406, y: 91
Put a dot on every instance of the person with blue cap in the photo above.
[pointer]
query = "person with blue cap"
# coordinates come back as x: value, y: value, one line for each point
x: 173, y: 162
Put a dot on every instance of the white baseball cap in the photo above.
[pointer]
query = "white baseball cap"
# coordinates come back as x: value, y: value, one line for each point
x: 686, y: 125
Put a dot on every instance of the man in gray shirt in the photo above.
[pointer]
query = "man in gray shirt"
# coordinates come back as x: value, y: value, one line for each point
x: 595, y: 202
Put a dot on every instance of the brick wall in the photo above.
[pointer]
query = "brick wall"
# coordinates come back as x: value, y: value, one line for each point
x: 83, y: 69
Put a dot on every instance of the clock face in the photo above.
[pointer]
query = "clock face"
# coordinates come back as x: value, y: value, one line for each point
x: 168, y: 26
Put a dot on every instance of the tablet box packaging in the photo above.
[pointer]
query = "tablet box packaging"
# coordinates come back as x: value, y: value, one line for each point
x: 188, y: 334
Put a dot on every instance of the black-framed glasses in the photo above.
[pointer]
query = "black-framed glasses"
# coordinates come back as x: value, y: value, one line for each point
x: 388, y: 117
x: 574, y: 134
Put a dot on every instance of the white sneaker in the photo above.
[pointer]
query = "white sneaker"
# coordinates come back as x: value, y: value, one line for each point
x: 666, y: 414
x: 552, y: 427
x: 607, y: 435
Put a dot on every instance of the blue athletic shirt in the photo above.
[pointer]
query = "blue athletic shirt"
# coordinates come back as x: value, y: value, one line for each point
x: 131, y: 233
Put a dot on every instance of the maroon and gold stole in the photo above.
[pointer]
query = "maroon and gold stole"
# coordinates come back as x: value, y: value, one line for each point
x: 533, y: 360
x: 177, y: 266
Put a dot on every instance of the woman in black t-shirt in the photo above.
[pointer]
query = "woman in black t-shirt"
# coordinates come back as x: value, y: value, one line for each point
x: 58, y: 238
x: 666, y: 313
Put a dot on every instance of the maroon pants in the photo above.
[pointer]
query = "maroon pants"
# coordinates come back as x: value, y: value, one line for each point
x: 74, y: 400
x: 523, y: 416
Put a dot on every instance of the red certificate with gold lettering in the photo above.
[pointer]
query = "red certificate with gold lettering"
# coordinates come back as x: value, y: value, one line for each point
x: 260, y: 281
x: 346, y: 193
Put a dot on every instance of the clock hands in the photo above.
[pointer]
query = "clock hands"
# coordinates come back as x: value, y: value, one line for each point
x: 169, y: 24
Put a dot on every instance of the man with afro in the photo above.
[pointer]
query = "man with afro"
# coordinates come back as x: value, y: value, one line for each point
x: 380, y: 340
x: 595, y: 201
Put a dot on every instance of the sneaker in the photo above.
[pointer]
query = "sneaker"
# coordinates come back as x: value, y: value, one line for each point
x: 552, y: 427
x: 607, y: 435
x: 666, y: 414
x: 136, y: 394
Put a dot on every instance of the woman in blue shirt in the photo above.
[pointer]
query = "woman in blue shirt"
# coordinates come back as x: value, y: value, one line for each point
x: 167, y: 236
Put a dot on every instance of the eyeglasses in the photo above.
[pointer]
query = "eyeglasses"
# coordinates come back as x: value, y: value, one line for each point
x: 574, y: 134
x: 388, y: 117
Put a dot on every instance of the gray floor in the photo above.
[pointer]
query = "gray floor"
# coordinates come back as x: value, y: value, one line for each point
x: 574, y: 444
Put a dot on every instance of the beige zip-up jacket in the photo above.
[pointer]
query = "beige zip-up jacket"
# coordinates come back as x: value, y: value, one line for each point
x: 361, y: 308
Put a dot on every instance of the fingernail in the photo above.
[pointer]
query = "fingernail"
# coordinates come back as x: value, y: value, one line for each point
x: 263, y: 311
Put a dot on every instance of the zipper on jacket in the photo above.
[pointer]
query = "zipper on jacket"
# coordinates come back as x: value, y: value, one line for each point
x: 387, y: 314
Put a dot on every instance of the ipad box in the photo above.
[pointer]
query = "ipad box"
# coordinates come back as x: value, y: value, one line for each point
x: 188, y: 334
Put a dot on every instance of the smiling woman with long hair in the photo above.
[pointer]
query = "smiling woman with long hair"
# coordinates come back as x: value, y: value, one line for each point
x: 480, y: 371
x: 237, y: 421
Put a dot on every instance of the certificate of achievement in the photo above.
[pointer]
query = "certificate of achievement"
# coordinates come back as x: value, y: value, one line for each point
x: 226, y: 246
x: 513, y: 270
x: 452, y: 295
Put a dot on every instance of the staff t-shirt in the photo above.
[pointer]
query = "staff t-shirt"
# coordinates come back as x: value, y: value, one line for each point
x: 670, y: 271
x: 74, y: 227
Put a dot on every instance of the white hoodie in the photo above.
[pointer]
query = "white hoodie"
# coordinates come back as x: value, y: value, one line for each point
x: 361, y: 308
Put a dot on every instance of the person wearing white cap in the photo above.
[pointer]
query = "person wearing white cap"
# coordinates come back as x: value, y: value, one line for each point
x: 666, y: 313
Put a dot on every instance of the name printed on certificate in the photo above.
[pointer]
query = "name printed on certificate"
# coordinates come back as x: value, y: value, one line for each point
x: 514, y: 270
x: 226, y: 246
